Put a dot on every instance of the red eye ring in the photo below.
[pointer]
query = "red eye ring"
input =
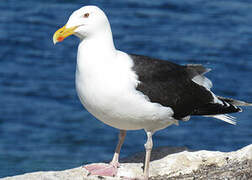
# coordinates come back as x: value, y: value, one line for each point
x: 86, y: 15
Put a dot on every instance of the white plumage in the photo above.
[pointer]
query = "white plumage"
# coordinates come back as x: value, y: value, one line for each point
x: 106, y: 86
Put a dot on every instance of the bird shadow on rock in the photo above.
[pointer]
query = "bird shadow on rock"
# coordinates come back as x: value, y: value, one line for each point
x: 156, y: 154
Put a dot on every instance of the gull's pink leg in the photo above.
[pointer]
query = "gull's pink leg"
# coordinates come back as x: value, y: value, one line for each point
x: 121, y: 137
x: 108, y: 169
x: 148, y: 147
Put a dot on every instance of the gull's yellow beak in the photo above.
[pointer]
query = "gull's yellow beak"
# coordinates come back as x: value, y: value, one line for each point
x: 63, y: 33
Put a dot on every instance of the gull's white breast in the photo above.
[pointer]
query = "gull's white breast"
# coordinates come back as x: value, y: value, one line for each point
x: 106, y: 86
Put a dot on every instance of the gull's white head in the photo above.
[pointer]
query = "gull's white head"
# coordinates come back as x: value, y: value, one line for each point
x: 84, y: 22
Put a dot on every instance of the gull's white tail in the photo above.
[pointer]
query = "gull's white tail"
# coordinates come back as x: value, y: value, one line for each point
x: 224, y: 117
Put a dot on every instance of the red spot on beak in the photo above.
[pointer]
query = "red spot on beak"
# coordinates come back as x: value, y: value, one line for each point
x: 60, y: 38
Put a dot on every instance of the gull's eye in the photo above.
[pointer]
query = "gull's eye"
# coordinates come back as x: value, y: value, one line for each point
x: 86, y: 15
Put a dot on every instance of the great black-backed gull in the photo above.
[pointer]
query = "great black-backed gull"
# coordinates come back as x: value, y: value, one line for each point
x: 131, y: 92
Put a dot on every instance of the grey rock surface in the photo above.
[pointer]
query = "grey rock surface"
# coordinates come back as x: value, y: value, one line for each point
x: 167, y: 163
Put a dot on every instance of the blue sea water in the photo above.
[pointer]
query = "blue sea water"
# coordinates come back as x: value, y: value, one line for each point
x: 43, y: 126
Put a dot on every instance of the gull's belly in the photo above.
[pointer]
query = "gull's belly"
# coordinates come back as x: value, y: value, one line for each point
x: 120, y: 106
x: 108, y: 107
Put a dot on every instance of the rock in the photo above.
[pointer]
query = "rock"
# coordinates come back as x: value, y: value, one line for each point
x: 172, y: 163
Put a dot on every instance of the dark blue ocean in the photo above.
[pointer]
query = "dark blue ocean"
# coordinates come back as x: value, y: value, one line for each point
x: 43, y: 126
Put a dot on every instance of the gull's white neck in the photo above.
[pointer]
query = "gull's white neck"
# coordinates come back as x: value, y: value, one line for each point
x: 98, y: 43
x: 96, y: 51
